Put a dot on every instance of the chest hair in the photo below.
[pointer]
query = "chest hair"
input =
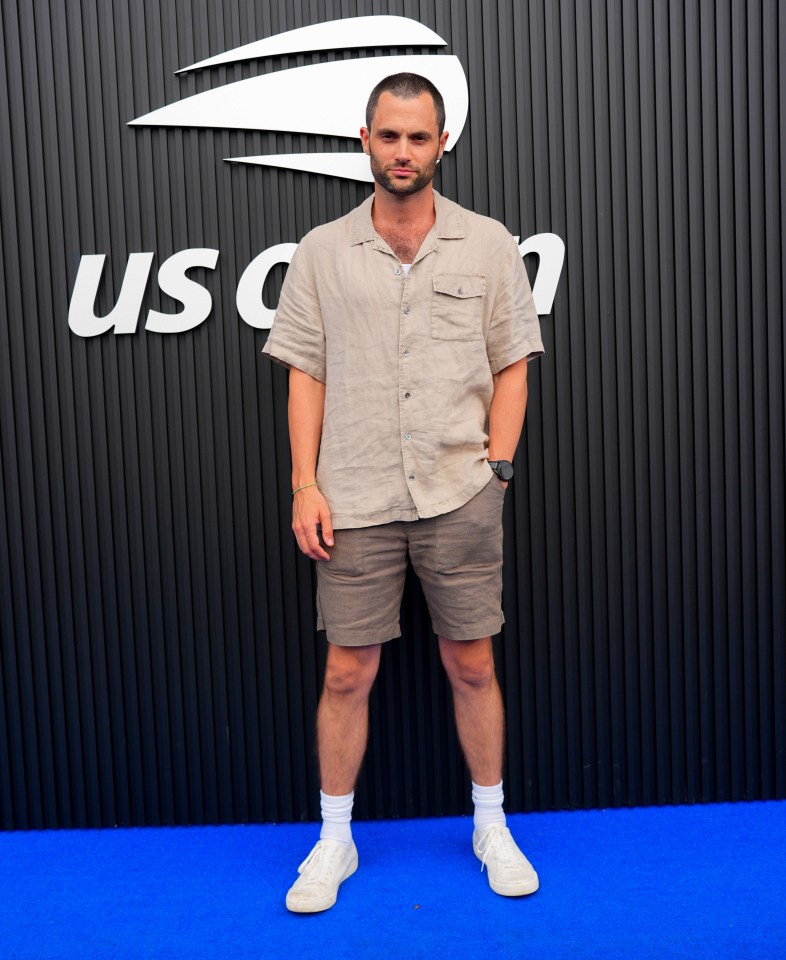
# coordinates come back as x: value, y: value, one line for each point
x: 404, y: 240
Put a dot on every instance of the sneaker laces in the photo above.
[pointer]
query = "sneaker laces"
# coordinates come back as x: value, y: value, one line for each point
x: 496, y: 839
x: 317, y: 866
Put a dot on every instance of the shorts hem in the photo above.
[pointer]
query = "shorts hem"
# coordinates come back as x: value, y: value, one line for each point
x: 351, y: 639
x: 467, y: 632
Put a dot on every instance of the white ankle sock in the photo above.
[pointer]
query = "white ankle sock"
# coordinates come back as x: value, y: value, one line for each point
x: 336, y: 817
x: 488, y: 805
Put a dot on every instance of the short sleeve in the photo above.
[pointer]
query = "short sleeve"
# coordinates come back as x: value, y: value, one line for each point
x: 297, y: 337
x: 514, y: 329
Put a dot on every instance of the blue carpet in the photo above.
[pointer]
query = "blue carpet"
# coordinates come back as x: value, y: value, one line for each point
x: 701, y: 881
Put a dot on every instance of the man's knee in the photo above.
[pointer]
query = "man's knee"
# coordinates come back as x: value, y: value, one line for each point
x: 468, y: 663
x: 350, y: 671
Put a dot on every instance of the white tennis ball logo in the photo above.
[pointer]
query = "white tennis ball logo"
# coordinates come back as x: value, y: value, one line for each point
x: 325, y: 98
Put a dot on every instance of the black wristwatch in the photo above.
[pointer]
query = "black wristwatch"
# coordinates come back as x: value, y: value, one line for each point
x: 503, y: 469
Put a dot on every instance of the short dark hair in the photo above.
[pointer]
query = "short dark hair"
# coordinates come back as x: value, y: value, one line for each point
x: 407, y: 86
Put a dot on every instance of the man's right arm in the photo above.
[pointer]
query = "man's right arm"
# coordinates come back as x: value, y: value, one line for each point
x: 309, y: 507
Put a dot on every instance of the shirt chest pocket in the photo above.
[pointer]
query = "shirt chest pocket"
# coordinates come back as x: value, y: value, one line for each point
x: 457, y: 306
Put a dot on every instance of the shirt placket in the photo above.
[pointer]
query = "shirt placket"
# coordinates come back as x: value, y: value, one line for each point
x: 406, y: 359
x: 408, y: 364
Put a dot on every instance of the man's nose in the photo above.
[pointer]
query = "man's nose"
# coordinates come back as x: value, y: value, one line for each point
x: 403, y: 149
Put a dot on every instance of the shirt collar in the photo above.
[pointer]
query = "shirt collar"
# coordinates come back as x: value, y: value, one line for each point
x: 449, y: 220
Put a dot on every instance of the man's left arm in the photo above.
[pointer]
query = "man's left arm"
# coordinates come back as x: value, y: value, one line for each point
x: 513, y: 338
x: 506, y: 414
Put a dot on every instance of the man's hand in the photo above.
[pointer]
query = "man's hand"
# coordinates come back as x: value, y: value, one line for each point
x: 310, y: 509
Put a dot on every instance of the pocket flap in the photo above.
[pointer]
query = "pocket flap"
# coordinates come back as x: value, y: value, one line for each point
x: 460, y: 285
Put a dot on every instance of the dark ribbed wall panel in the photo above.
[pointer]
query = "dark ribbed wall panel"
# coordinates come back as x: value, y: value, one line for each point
x: 159, y: 662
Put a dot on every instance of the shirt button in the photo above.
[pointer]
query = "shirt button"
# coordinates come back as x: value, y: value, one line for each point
x: 406, y: 353
x: 407, y: 396
x: 407, y: 436
x: 397, y: 271
x: 407, y: 311
x: 460, y: 291
x: 412, y: 476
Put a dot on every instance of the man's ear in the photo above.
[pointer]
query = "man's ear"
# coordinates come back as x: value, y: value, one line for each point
x: 364, y: 135
x: 442, y: 141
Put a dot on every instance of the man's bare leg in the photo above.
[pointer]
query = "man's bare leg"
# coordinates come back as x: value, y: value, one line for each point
x: 342, y: 717
x: 480, y: 721
x: 480, y: 715
x: 342, y: 732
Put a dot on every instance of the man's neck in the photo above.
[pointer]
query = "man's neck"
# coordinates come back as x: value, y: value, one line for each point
x: 415, y: 209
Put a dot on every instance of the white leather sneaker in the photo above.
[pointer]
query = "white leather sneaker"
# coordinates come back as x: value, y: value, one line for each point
x: 321, y: 873
x: 510, y: 873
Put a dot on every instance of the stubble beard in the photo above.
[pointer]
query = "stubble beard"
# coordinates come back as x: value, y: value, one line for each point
x: 423, y: 176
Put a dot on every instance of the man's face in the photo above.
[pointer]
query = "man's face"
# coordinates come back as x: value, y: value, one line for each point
x: 404, y: 143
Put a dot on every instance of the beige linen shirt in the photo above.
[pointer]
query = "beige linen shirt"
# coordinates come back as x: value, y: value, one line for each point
x: 407, y: 360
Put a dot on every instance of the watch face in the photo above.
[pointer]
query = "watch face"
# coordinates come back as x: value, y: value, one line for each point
x: 505, y: 470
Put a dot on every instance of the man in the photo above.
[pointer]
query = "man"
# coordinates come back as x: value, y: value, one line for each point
x: 407, y: 326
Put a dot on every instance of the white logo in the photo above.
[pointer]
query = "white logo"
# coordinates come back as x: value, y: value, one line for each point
x: 324, y: 98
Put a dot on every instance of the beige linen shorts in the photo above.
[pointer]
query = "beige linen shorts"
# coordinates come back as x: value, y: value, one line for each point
x: 456, y: 556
